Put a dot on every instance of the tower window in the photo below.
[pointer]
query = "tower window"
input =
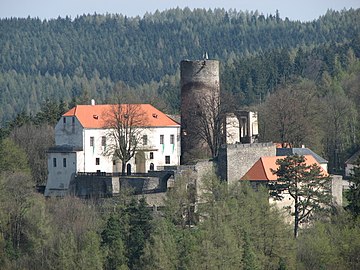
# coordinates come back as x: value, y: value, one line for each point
x: 151, y: 155
x: 97, y: 161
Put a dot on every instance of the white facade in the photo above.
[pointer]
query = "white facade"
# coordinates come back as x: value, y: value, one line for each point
x: 232, y: 129
x: 80, y: 149
x: 241, y: 127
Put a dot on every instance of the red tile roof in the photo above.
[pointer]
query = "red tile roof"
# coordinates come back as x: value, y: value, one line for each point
x: 94, y: 116
x: 261, y: 170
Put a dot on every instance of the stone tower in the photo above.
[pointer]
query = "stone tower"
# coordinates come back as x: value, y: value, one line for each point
x: 200, y: 97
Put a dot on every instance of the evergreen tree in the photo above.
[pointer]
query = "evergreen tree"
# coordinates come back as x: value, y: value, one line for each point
x: 308, y: 185
x: 353, y: 194
x: 112, y: 240
x: 139, y: 231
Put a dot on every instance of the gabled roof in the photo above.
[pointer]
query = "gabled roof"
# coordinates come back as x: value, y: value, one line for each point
x: 353, y: 159
x: 94, y: 116
x: 261, y: 170
x: 300, y: 152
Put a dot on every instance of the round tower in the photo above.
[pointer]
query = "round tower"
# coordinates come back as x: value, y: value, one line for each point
x: 200, y: 94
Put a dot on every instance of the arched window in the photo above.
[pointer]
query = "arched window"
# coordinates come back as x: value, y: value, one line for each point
x: 128, y: 169
x: 152, y: 166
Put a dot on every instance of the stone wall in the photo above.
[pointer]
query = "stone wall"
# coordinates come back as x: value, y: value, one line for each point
x: 92, y: 185
x: 236, y: 159
x: 337, y: 189
x: 200, y: 92
x: 106, y: 184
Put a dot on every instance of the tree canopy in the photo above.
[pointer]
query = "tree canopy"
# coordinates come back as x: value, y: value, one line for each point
x: 307, y: 184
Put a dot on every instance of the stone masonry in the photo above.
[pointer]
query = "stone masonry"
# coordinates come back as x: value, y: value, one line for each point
x: 236, y: 159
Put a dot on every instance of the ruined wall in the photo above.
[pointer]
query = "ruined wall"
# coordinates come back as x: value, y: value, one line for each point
x: 236, y: 159
x: 200, y: 86
x: 195, y: 174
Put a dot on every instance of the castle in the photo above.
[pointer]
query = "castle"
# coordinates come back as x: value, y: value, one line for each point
x: 206, y: 139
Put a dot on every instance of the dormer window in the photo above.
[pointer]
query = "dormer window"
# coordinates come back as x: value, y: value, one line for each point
x: 96, y: 116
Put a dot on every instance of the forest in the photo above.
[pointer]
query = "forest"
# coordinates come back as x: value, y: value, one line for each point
x: 69, y: 61
x: 233, y: 228
x: 302, y: 77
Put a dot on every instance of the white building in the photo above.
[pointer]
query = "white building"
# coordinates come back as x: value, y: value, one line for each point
x: 81, y: 140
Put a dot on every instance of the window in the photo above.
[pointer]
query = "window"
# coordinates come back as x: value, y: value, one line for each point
x: 64, y: 162
x: 151, y: 155
x: 161, y: 139
x: 132, y: 140
x: 145, y: 139
x: 167, y: 159
x: 64, y: 120
x: 92, y: 141
x: 97, y: 161
x: 152, y: 167
x: 114, y: 162
x: 54, y: 162
x: 103, y: 141
x: 172, y: 139
x: 73, y: 120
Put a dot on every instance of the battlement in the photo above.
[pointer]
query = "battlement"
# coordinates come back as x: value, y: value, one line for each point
x: 247, y: 145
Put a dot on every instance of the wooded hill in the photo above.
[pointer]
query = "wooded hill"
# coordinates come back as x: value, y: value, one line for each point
x: 96, y: 56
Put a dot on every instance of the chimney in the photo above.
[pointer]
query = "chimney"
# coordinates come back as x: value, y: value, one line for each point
x: 93, y: 102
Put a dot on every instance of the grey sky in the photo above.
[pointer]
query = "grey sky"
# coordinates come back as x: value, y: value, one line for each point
x: 304, y: 10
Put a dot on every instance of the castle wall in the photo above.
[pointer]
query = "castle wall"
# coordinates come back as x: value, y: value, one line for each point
x: 236, y: 159
x: 337, y: 189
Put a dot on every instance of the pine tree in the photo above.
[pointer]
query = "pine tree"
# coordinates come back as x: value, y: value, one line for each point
x: 306, y: 184
x: 112, y: 240
x: 353, y: 194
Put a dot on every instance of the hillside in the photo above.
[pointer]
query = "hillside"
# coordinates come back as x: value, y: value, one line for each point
x: 98, y: 55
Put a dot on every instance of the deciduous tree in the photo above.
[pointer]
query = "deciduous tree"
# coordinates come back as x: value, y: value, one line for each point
x: 125, y: 123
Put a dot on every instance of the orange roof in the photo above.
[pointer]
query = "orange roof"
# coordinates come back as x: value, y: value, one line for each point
x: 261, y: 170
x: 94, y: 116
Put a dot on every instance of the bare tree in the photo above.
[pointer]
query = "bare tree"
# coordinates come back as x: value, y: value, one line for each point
x: 210, y: 122
x: 125, y: 123
x: 204, y: 125
x: 341, y: 122
x: 35, y: 140
x: 290, y: 116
